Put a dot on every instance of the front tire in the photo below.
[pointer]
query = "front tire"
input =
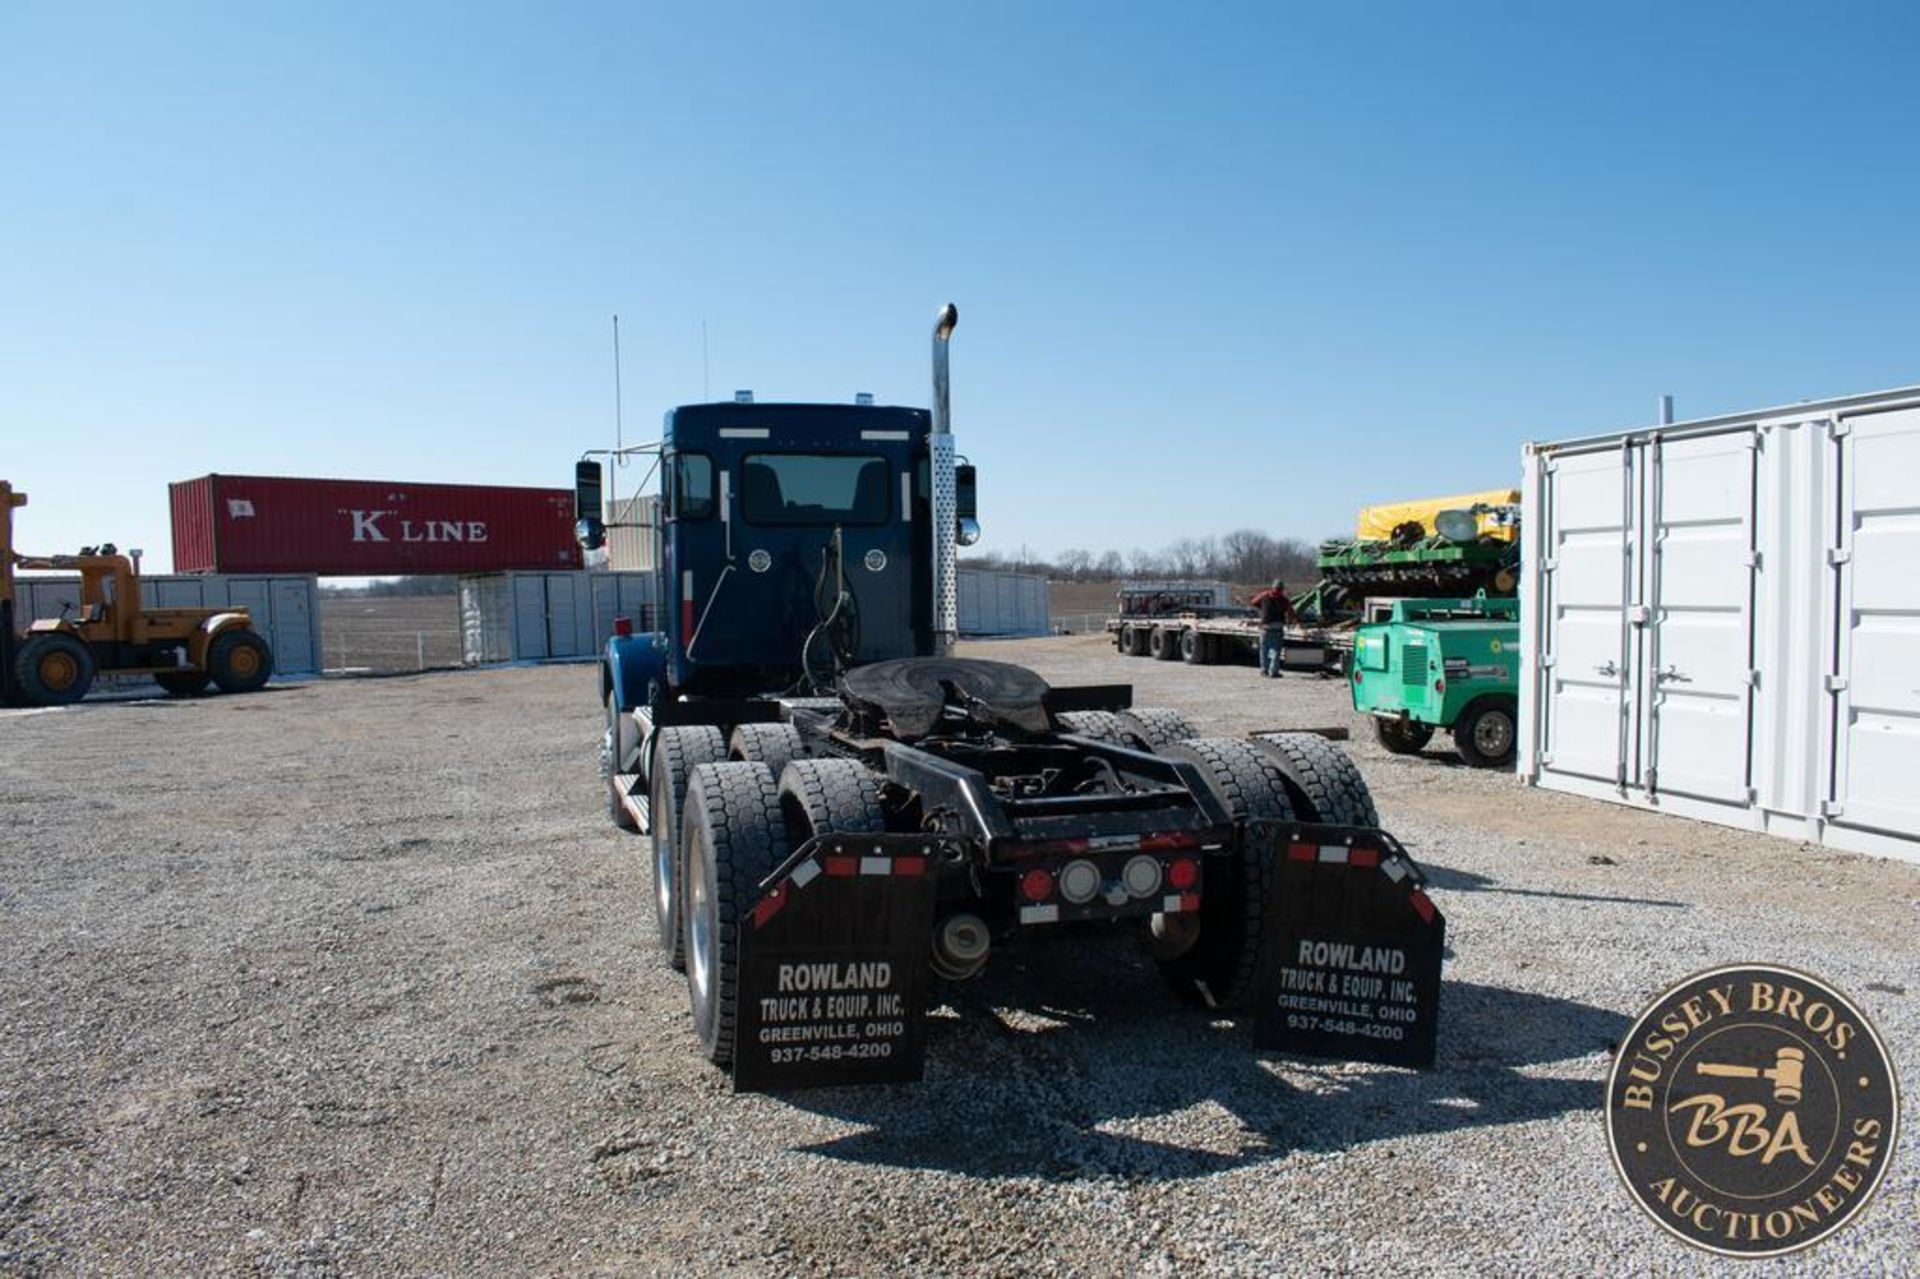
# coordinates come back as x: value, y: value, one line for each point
x: 240, y: 661
x: 1484, y: 733
x: 622, y: 740
x: 53, y: 669
x: 734, y: 838
x: 677, y: 751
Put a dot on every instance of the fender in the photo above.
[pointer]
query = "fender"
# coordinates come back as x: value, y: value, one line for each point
x: 635, y: 666
x: 210, y: 629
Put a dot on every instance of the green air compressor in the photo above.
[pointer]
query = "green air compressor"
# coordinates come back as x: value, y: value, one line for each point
x: 1452, y: 664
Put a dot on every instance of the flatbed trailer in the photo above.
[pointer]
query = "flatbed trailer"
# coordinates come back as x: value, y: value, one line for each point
x: 1204, y: 638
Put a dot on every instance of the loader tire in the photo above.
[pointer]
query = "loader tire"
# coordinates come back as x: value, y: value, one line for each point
x: 1156, y: 727
x: 1220, y: 970
x: 734, y: 838
x: 240, y: 661
x: 677, y: 752
x: 775, y: 745
x: 1164, y: 644
x: 1101, y: 726
x: 621, y: 732
x: 1326, y: 785
x: 1402, y: 736
x: 53, y: 669
x: 1484, y: 733
x: 183, y: 683
x: 830, y: 796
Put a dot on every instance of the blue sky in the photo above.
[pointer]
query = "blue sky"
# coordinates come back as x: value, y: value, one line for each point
x: 1218, y: 266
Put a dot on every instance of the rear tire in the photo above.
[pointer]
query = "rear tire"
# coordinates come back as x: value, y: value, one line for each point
x: 1402, y: 736
x: 775, y: 745
x: 734, y: 839
x: 1101, y: 726
x: 1484, y: 733
x: 1219, y: 970
x: 1155, y: 727
x: 677, y: 752
x: 240, y: 661
x: 1135, y: 639
x: 1194, y: 648
x: 1164, y: 644
x: 1327, y: 786
x: 53, y: 669
x: 827, y: 797
x: 183, y: 683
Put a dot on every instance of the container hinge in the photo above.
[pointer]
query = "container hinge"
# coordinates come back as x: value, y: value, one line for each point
x: 1639, y: 614
x: 1753, y: 559
x: 1547, y: 566
x: 1832, y: 808
x: 1549, y: 662
x: 1546, y: 760
x: 1833, y: 683
x: 1842, y: 429
x: 1753, y: 795
x: 1838, y: 555
x: 1753, y: 679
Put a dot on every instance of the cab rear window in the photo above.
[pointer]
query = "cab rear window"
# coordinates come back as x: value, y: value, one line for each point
x: 815, y: 488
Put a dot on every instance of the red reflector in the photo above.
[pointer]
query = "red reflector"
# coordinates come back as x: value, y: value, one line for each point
x: 1182, y: 874
x: 623, y: 627
x: 909, y: 865
x: 1363, y: 857
x: 1423, y: 904
x: 1036, y: 885
x: 770, y: 905
x: 1301, y: 852
x: 1356, y: 675
x: 1189, y: 902
x: 840, y: 865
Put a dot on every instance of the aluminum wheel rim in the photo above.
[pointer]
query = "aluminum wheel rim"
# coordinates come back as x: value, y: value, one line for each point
x: 663, y: 884
x: 699, y: 937
x: 1493, y: 734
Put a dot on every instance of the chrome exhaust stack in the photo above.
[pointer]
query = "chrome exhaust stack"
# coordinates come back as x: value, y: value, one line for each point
x: 945, y: 498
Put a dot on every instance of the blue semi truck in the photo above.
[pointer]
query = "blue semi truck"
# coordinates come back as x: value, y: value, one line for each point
x: 842, y: 813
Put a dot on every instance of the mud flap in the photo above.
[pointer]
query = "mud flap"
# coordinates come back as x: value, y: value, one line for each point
x: 1351, y: 948
x: 834, y: 966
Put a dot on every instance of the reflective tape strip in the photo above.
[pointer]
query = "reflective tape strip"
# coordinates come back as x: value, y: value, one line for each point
x: 1300, y: 852
x: 805, y: 873
x: 875, y: 866
x: 1171, y: 904
x: 769, y: 906
x: 1335, y: 853
x: 1423, y: 904
x: 909, y: 865
x: 1365, y: 857
x: 1189, y: 901
x: 1039, y: 914
x: 1396, y: 870
x: 841, y: 865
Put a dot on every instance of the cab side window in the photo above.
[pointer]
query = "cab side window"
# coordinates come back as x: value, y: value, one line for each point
x: 692, y: 486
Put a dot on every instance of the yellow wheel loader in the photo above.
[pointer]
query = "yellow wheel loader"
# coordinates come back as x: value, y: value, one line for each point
x: 54, y: 661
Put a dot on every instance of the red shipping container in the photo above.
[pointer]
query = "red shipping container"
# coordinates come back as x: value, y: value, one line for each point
x: 367, y: 528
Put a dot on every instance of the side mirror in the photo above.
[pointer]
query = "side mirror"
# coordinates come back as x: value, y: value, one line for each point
x: 588, y: 529
x: 966, y: 504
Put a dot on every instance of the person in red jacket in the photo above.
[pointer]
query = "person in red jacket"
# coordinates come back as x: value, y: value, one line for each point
x: 1276, y: 612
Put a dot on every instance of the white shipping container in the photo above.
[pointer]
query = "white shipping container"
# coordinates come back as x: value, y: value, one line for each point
x: 527, y: 617
x: 1722, y: 620
x: 994, y: 604
x: 284, y: 609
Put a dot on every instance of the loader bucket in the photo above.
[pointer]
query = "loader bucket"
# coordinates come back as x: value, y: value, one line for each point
x: 1351, y: 947
x: 834, y: 966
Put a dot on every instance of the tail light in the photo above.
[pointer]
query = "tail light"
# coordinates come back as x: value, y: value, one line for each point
x: 1036, y: 885
x: 1079, y: 882
x: 623, y: 627
x: 1141, y: 875
x: 1183, y: 874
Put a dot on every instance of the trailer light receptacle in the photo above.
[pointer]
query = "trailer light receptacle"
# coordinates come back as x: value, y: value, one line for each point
x: 1036, y: 885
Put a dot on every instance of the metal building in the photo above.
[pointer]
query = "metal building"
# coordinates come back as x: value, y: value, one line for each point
x: 523, y: 617
x: 1722, y: 620
x: 1001, y: 605
x: 286, y: 610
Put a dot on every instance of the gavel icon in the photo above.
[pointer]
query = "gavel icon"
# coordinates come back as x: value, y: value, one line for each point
x: 1788, y: 1072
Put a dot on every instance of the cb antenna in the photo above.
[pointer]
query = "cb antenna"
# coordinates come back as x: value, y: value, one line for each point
x: 619, y: 427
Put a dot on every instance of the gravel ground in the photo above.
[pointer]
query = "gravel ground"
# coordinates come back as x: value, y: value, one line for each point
x: 353, y: 976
